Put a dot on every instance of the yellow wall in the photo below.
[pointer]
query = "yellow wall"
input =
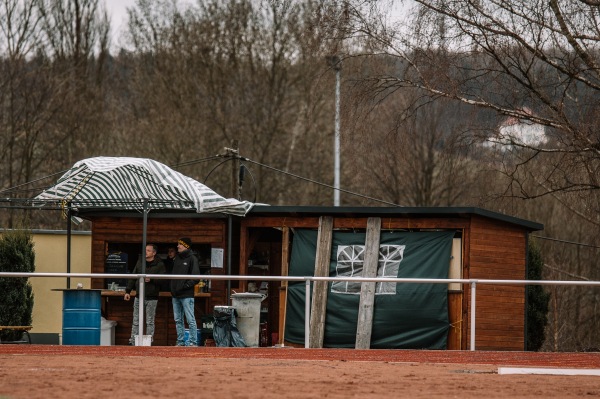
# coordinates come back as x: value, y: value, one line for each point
x: 51, y: 257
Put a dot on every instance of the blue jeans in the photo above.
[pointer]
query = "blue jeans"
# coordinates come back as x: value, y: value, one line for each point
x: 149, y: 313
x: 185, y: 306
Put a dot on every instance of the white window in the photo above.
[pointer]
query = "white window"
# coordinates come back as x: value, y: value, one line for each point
x: 350, y: 263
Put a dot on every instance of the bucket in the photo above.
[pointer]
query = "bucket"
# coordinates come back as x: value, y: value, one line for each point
x: 107, y: 332
x: 145, y: 341
x: 247, y: 306
x: 81, y: 317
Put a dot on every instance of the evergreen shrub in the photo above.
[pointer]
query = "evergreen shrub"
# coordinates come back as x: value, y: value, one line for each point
x: 16, y: 306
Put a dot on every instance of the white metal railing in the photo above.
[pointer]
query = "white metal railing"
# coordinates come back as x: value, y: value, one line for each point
x: 308, y: 279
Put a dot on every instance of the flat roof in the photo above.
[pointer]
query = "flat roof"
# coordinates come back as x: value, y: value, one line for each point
x: 315, y: 211
x: 261, y: 210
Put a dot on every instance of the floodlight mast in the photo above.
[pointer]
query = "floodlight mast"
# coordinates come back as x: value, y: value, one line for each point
x: 335, y: 63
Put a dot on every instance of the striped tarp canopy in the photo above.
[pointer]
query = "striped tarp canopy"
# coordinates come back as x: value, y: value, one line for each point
x: 126, y: 183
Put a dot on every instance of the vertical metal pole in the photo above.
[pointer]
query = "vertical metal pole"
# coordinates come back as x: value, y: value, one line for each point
x: 229, y: 244
x: 235, y: 169
x: 527, y: 289
x: 473, y: 292
x: 234, y: 152
x: 336, y: 167
x: 307, y: 314
x: 140, y: 295
x: 140, y: 298
x: 336, y: 64
x: 68, y: 244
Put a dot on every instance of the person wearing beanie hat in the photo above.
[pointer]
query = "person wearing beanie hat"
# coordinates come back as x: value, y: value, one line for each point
x: 182, y: 291
x: 185, y: 241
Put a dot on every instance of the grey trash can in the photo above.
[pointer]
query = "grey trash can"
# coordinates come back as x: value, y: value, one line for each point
x: 247, y: 306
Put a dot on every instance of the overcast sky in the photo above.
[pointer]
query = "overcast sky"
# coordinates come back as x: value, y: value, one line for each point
x: 117, y: 10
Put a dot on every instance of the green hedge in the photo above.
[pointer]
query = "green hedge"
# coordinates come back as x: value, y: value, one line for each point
x: 537, y: 301
x: 16, y: 307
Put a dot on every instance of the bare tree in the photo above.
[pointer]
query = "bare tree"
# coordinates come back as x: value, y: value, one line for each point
x: 410, y: 158
x: 76, y: 35
x: 48, y: 95
x: 535, y: 62
x: 26, y: 92
x: 241, y: 70
x: 526, y: 75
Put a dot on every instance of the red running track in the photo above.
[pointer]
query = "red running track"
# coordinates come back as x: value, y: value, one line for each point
x: 589, y: 360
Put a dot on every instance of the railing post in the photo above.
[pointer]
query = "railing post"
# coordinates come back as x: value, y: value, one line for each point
x: 473, y: 292
x: 141, y: 295
x: 307, y: 314
x: 140, y: 298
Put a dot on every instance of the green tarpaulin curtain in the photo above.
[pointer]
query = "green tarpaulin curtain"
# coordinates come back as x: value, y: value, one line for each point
x: 406, y: 315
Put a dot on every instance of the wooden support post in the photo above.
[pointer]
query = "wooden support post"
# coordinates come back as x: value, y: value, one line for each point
x: 244, y: 254
x: 367, y: 288
x: 285, y: 250
x: 234, y: 152
x: 319, y: 298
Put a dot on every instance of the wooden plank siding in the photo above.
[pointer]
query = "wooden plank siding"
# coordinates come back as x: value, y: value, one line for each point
x: 129, y: 230
x: 400, y: 223
x: 497, y: 251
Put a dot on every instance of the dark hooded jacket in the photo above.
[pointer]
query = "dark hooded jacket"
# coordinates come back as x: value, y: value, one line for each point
x: 151, y: 288
x: 184, y: 263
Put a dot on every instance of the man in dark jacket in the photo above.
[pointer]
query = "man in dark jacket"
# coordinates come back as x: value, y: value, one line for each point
x: 182, y: 291
x: 154, y: 265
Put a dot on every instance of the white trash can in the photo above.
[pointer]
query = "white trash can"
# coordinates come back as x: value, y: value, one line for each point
x: 145, y: 341
x: 107, y: 332
x: 247, y: 306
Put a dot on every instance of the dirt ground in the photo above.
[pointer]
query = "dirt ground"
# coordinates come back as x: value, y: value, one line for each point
x: 43, y: 371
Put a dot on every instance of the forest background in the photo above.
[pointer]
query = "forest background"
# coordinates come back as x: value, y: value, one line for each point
x: 488, y: 103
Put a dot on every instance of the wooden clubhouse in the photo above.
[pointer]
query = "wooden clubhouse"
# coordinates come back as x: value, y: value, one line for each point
x: 485, y: 245
x: 132, y: 201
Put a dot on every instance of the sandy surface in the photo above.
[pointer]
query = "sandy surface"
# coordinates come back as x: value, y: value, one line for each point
x: 46, y: 371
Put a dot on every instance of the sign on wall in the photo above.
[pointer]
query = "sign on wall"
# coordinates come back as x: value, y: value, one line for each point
x: 116, y: 263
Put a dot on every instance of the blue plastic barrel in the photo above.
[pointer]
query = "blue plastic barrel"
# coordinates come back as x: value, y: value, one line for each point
x: 81, y: 317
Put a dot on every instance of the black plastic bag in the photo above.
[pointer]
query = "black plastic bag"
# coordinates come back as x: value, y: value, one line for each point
x: 225, y: 331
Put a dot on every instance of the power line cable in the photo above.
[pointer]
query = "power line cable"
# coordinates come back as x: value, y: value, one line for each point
x: 242, y: 168
x: 318, y: 183
x: 195, y: 161
x: 33, y: 181
x: 556, y: 269
x: 215, y: 167
x: 566, y: 242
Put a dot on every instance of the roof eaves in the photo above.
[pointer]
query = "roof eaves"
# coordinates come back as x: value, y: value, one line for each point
x: 390, y: 212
